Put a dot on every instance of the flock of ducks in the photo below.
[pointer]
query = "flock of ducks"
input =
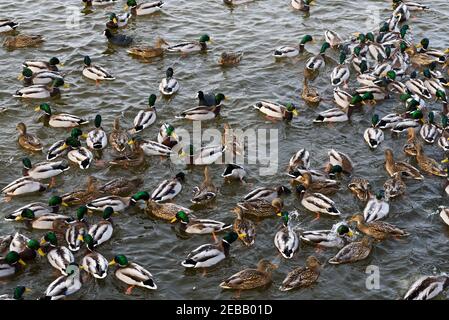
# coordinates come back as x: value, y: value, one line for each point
x: 386, y: 63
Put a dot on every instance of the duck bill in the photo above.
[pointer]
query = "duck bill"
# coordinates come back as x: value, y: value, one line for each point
x: 66, y: 86
x: 43, y: 241
x: 279, y: 214
x: 125, y: 7
x: 114, y: 20
x: 445, y: 160
x: 80, y: 238
x: 182, y: 154
x: 131, y: 142
x: 18, y: 218
x: 174, y: 135
x: 111, y: 263
x: 28, y: 290
x: 41, y: 252
x: 241, y: 236
x: 295, y: 112
x: 173, y: 220
x: 350, y: 234
x: 84, y: 135
x: 64, y: 204
x: 22, y: 262
x: 20, y: 77
x: 37, y: 109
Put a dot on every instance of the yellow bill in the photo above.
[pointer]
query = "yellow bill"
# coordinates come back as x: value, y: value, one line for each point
x: 22, y: 262
x: 112, y: 262
x: 173, y: 220
x: 41, y: 252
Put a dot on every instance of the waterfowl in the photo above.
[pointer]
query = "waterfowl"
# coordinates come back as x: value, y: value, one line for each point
x: 81, y: 156
x: 200, y: 113
x: 354, y: 251
x: 361, y: 188
x: 301, y: 5
x: 153, y: 148
x: 82, y: 196
x: 302, y: 277
x: 102, y: 231
x: 373, y: 136
x: 248, y: 279
x: 26, y: 140
x: 376, y: 208
x: 323, y: 186
x: 95, y: 72
x: 300, y: 160
x: 444, y: 214
x: 147, y: 52
x: 39, y: 208
x: 423, y: 47
x: 134, y: 158
x: 198, y: 226
x: 317, y: 202
x: 245, y: 228
x: 208, y: 255
x: 332, y: 38
x: 117, y: 203
x: 286, y: 240
x: 206, y: 192
x: 190, y: 46
x: 5, y: 241
x: 230, y: 58
x: 277, y: 111
x: 94, y: 263
x: 117, y: 39
x: 168, y: 189
x: 377, y: 93
x: 145, y: 118
x: 77, y: 230
x: 205, y: 155
x: 64, y: 285
x: 25, y: 247
x: 60, y: 257
x: 132, y: 274
x: 22, y: 186
x: 44, y: 77
x: 340, y: 74
x: 427, y: 287
x: 89, y: 3
x: 118, y: 138
x: 410, y: 147
x: 210, y: 99
x: 336, y: 237
x: 406, y: 170
x: 389, y: 121
x: 7, y: 25
x: 48, y: 221
x: 428, y: 164
x: 9, y: 266
x: 169, y: 85
x: 443, y: 141
x: 36, y: 65
x: 416, y: 86
x: 261, y: 208
x: 116, y: 21
x: 266, y: 193
x: 44, y: 170
x: 167, y: 135
x: 316, y: 62
x: 40, y: 91
x: 339, y: 160
x: 432, y: 84
x: 23, y: 41
x: 120, y: 186
x: 378, y: 230
x: 18, y: 292
x: 97, y: 139
x: 412, y: 6
x: 289, y: 51
x: 234, y: 171
x: 309, y: 94
x: 394, y: 187
x: 142, y: 9
x: 333, y: 115
x: 61, y: 120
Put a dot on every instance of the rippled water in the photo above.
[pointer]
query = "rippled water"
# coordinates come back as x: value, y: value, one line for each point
x: 255, y: 28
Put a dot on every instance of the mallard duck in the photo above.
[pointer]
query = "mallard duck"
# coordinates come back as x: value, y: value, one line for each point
x: 145, y: 118
x: 82, y: 196
x: 7, y: 25
x: 26, y: 140
x: 234, y: 171
x: 210, y: 99
x: 168, y: 189
x: 102, y: 231
x: 116, y: 21
x: 132, y: 274
x: 444, y: 214
x: 117, y: 203
x: 394, y: 187
x: 423, y: 47
x: 337, y: 237
x: 62, y: 147
x: 429, y: 130
x: 301, y: 5
x: 428, y: 164
x: 89, y: 3
x: 208, y: 255
x: 169, y: 85
x: 427, y: 287
x: 230, y: 58
x: 323, y: 186
x: 154, y: 148
x: 40, y: 91
x: 61, y: 120
x: 310, y: 95
x: 245, y: 228
x: 5, y: 241
x: 404, y: 125
x: 289, y: 51
x: 261, y: 208
x: 200, y: 113
x: 250, y: 278
x: 143, y: 8
x: 120, y: 186
x: 60, y: 257
x: 44, y: 77
x: 44, y: 170
x: 333, y: 115
x: 39, y: 208
x: 333, y: 38
x: 389, y: 121
x: 339, y: 160
x: 118, y: 138
x: 377, y: 93
x: 302, y: 277
x: 412, y: 6
x: 276, y: 111
x: 25, y: 247
x: 81, y: 156
x: 340, y: 74
x: 379, y: 230
x: 198, y: 226
x: 49, y: 221
x: 205, y: 155
x: 9, y: 266
x: 300, y: 160
x: 286, y: 240
x: 167, y: 135
x: 117, y: 39
x: 373, y: 136
x: 76, y: 230
x: 410, y: 147
x: 95, y: 72
x: 376, y: 208
x: 406, y: 170
x: 94, y: 263
x: 317, y: 202
x: 432, y: 84
x: 134, y: 158
x: 23, y: 41
x: 18, y: 292
x: 354, y: 251
x: 148, y: 52
x: 416, y: 86
x: 443, y: 141
x: 64, y: 285
x: 361, y: 188
x: 36, y: 65
x: 206, y: 192
x: 97, y: 139
x: 266, y: 193
x: 22, y: 186
x: 190, y: 46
